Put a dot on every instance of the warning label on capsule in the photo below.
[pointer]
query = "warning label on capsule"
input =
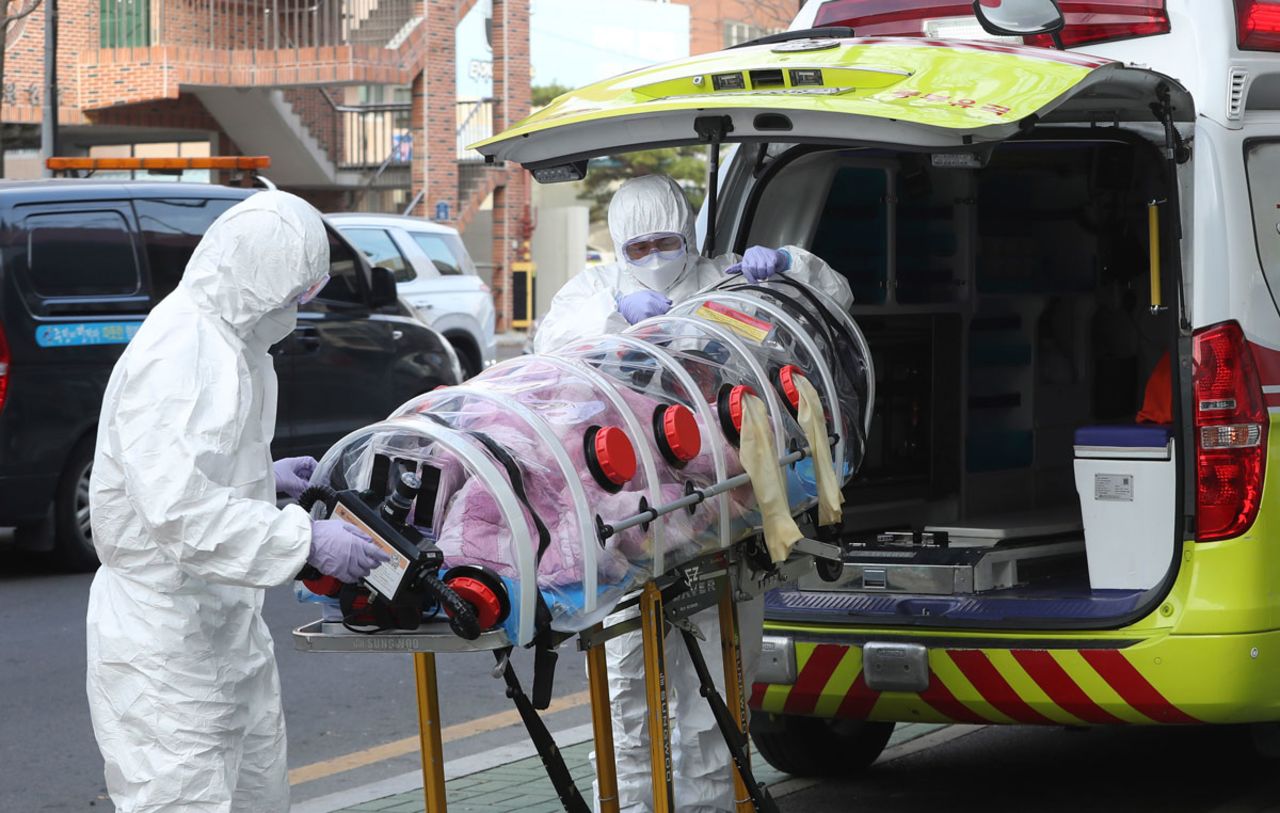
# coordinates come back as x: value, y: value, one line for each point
x: 748, y: 327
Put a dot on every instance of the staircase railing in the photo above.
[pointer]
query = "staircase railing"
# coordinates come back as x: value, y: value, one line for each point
x: 253, y: 24
x: 475, y: 122
x: 373, y: 135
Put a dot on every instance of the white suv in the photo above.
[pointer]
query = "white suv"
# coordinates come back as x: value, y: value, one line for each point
x: 434, y: 275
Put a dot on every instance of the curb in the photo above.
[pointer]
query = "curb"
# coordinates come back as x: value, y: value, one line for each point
x: 916, y: 739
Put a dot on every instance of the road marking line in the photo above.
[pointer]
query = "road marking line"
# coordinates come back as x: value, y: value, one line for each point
x: 409, y: 745
x: 926, y: 741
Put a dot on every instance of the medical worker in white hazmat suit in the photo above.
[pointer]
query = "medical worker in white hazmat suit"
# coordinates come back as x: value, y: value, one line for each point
x: 182, y: 682
x: 658, y: 265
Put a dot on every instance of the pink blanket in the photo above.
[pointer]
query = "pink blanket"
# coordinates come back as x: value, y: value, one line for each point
x: 470, y: 529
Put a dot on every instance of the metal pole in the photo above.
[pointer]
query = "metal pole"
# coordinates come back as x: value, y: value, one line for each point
x: 49, y: 132
x: 602, y: 725
x: 424, y: 667
x: 713, y: 188
x: 734, y: 692
x: 652, y: 626
x: 694, y: 497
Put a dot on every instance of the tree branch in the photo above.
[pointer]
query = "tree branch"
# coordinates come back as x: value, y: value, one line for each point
x: 8, y: 19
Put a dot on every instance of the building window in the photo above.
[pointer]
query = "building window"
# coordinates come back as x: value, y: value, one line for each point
x: 169, y: 149
x: 736, y: 33
x: 379, y: 94
x: 124, y: 23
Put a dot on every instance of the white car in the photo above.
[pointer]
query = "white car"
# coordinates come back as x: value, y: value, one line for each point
x: 434, y: 275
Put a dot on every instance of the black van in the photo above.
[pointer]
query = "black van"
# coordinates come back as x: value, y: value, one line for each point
x: 81, y: 264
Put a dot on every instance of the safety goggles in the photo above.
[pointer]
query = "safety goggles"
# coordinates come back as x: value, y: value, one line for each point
x: 643, y: 246
x: 314, y: 291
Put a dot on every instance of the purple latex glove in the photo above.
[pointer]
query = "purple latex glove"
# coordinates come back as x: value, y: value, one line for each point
x: 341, y: 550
x: 293, y: 475
x: 641, y: 305
x: 760, y: 263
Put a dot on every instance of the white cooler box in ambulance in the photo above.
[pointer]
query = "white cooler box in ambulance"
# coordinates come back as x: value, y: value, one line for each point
x: 1125, y: 476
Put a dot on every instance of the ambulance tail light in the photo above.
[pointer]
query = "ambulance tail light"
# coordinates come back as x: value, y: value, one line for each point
x: 1231, y: 433
x: 1087, y: 21
x: 5, y: 359
x: 1258, y: 25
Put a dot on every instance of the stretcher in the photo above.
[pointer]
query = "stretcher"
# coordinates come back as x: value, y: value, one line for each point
x: 661, y: 468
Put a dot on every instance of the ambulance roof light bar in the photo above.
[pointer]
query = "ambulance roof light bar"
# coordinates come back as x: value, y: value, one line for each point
x: 244, y: 163
x: 1087, y: 21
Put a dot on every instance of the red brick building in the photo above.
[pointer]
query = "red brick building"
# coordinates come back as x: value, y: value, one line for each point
x: 354, y: 100
x: 717, y: 24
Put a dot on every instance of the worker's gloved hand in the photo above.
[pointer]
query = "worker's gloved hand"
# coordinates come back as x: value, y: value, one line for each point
x: 293, y: 475
x: 760, y: 263
x: 641, y: 305
x: 341, y: 550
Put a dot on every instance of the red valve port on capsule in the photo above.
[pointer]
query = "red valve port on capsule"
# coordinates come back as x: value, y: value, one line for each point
x: 483, y: 590
x: 729, y: 405
x: 677, y: 434
x: 787, y: 380
x: 610, y: 457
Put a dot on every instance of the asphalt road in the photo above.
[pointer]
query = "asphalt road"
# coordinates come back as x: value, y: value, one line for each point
x: 1053, y: 770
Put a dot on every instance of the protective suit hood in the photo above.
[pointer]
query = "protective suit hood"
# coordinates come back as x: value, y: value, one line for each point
x: 255, y: 261
x: 648, y: 205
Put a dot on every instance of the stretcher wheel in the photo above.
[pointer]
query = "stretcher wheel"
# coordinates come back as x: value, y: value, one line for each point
x: 483, y: 590
x: 828, y: 570
x: 677, y: 435
x: 729, y: 407
x: 611, y: 458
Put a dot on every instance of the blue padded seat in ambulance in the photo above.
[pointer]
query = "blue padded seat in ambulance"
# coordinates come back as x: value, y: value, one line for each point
x: 1130, y: 436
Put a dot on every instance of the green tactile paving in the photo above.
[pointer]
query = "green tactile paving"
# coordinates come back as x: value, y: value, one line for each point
x: 524, y: 786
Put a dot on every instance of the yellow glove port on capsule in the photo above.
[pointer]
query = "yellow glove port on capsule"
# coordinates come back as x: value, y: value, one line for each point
x: 760, y: 461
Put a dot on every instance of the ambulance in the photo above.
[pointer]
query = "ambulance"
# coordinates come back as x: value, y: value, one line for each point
x: 1061, y: 223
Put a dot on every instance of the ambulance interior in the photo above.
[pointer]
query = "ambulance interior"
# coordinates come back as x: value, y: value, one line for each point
x: 1007, y: 303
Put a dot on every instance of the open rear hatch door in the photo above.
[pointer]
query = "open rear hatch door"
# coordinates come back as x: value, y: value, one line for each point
x: 905, y: 92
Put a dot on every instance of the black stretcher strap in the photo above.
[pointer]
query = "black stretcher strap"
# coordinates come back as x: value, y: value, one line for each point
x: 733, y: 736
x: 548, y: 751
x: 544, y: 654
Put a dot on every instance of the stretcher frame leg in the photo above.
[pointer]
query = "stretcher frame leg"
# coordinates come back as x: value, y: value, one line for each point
x: 653, y: 628
x: 424, y: 667
x: 734, y: 691
x: 602, y: 726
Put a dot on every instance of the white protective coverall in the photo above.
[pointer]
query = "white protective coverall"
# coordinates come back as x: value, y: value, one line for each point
x: 182, y: 681
x: 586, y: 307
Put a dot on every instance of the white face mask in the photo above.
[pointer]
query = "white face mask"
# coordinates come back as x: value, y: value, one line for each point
x: 660, y: 270
x: 275, y: 325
